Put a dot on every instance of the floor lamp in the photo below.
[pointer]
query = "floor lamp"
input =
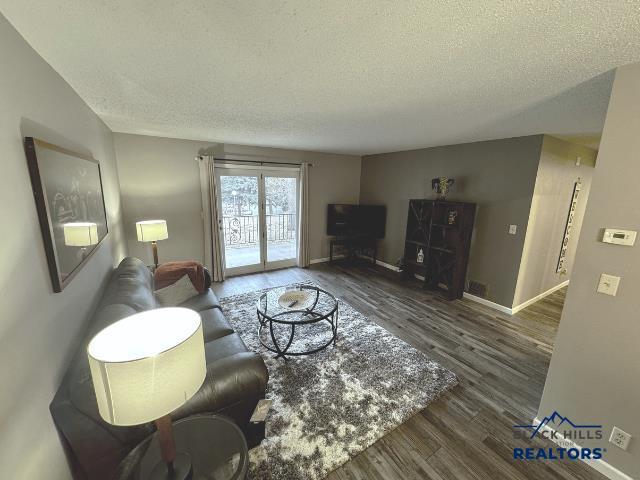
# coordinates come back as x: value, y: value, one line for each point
x: 152, y: 231
x: 144, y: 367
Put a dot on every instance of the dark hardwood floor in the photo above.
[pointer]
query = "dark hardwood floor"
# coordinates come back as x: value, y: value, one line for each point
x: 501, y: 362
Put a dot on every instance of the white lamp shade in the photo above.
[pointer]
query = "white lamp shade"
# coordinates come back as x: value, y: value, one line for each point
x: 80, y: 234
x: 147, y: 365
x: 152, y: 230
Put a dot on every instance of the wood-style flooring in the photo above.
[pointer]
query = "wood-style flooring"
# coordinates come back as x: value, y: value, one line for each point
x: 501, y: 362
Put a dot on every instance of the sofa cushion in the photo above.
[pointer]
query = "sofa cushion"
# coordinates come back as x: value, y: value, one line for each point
x: 130, y: 292
x: 202, y: 302
x: 214, y: 325
x: 223, y: 347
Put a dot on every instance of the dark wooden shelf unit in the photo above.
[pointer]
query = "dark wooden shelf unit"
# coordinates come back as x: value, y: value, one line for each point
x: 415, y: 242
x: 444, y: 243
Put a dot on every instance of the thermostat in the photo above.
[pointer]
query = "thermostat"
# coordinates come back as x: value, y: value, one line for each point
x: 619, y: 237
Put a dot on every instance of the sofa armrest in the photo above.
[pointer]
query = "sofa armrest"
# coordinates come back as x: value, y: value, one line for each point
x: 229, y: 380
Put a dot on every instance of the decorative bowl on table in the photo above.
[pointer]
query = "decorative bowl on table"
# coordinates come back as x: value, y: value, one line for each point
x: 296, y: 299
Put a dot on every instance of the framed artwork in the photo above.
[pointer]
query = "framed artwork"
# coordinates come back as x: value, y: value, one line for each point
x: 568, y: 226
x: 67, y: 188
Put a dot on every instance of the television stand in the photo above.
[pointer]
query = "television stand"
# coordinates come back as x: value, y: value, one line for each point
x: 365, y: 245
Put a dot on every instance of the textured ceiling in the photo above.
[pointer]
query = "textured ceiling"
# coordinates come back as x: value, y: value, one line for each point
x: 340, y: 76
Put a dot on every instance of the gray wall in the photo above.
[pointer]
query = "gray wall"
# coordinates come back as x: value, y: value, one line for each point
x: 159, y: 179
x: 498, y: 175
x: 39, y: 328
x: 594, y: 372
x: 557, y: 174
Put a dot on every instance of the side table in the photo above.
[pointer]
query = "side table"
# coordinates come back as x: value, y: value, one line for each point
x: 216, y: 445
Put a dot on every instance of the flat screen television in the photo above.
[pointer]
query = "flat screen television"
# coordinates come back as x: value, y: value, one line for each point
x: 347, y: 220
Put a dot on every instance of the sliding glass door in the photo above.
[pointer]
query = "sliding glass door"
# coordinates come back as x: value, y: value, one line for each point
x: 259, y: 218
x: 239, y: 203
x: 281, y: 218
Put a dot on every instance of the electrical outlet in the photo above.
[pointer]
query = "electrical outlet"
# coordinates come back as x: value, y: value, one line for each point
x: 620, y: 438
x: 513, y: 229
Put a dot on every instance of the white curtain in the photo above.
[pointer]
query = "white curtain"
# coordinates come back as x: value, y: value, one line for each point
x: 303, y: 218
x: 213, y: 250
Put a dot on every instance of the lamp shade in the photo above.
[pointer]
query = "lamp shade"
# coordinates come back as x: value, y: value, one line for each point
x: 80, y: 234
x: 147, y: 365
x: 152, y: 230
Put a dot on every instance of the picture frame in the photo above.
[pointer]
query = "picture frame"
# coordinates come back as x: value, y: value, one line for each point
x: 67, y: 189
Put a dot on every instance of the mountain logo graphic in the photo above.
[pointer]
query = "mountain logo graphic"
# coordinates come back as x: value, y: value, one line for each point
x: 555, y: 421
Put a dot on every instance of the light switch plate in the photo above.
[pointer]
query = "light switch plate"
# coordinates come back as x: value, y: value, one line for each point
x: 608, y: 284
x: 513, y: 229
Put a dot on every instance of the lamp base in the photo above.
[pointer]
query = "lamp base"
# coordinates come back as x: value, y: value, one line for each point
x: 155, y: 253
x: 181, y: 470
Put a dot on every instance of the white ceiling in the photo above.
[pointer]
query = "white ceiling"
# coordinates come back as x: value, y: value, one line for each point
x: 350, y: 76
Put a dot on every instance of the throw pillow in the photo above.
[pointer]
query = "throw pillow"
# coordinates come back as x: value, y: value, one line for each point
x: 177, y: 293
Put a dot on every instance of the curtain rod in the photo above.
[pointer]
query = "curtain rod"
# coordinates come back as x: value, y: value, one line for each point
x: 260, y: 162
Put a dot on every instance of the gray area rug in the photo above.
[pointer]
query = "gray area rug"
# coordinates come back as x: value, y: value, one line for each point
x: 331, y: 405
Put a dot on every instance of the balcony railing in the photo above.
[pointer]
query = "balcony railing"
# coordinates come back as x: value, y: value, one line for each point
x: 242, y: 230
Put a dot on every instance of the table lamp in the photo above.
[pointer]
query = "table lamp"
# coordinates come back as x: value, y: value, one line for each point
x: 144, y: 367
x: 80, y: 234
x: 152, y: 231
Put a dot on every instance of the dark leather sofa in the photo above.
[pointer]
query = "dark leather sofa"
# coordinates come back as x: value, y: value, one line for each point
x: 236, y: 378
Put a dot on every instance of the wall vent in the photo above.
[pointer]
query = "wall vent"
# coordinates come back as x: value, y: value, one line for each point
x: 476, y: 288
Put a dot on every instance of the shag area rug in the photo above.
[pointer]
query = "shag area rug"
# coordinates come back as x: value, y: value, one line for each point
x: 331, y: 405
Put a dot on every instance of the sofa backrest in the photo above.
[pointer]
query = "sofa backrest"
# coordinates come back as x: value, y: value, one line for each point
x: 131, y: 284
x: 95, y: 446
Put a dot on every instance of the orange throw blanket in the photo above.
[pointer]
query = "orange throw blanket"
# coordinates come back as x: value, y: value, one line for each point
x: 170, y: 272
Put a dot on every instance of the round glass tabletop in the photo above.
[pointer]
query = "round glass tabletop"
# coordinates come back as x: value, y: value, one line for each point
x: 297, y: 320
x: 216, y: 445
x: 292, y: 304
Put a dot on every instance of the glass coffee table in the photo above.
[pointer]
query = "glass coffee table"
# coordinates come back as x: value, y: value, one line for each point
x: 216, y: 445
x: 297, y: 320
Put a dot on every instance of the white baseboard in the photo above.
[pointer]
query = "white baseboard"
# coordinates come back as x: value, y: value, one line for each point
x: 600, y: 465
x: 387, y: 265
x: 319, y: 260
x: 488, y: 303
x: 381, y: 263
x: 483, y: 301
x: 325, y: 259
x: 517, y: 308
